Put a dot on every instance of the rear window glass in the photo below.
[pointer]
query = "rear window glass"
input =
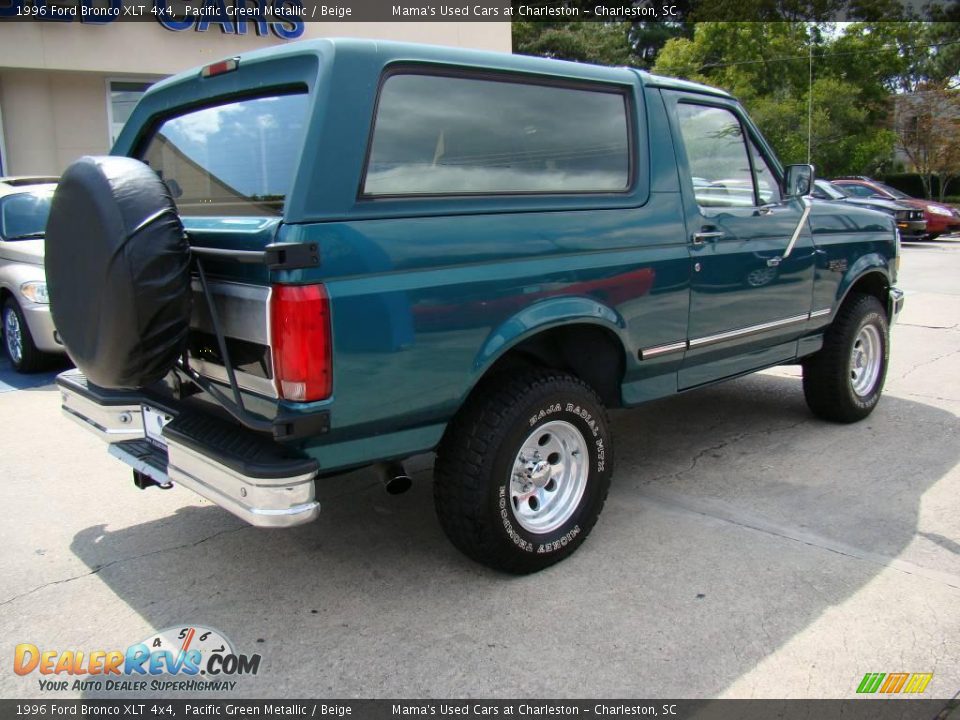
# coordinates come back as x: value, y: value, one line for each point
x: 233, y: 159
x: 440, y: 135
x: 25, y: 214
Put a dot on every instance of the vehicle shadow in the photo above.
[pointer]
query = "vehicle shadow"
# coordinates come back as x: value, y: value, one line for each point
x: 662, y: 600
x: 11, y: 380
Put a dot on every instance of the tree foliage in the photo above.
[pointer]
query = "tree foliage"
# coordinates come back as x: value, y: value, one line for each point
x: 928, y: 130
x: 792, y: 74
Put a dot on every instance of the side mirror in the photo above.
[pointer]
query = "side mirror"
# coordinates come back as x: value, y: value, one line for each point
x: 174, y: 188
x: 798, y: 180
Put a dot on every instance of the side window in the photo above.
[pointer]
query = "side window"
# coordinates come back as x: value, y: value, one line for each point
x: 858, y: 190
x: 717, y: 154
x: 441, y: 135
x: 768, y: 187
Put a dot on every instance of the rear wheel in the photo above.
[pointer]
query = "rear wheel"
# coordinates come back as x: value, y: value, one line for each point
x: 523, y: 471
x: 844, y: 380
x: 18, y: 342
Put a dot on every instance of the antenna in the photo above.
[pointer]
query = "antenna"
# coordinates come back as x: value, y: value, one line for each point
x: 810, y: 102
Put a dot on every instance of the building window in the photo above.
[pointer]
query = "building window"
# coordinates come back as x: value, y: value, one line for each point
x: 124, y: 96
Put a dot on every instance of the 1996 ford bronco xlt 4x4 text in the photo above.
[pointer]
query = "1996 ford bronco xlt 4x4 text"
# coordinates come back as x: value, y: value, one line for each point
x: 342, y: 253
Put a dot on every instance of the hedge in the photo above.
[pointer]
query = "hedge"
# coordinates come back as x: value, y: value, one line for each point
x: 912, y: 184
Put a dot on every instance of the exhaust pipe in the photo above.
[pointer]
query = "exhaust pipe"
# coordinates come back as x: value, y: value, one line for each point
x: 394, y: 478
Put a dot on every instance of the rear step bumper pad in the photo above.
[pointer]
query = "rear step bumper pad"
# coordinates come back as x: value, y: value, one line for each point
x: 255, y: 479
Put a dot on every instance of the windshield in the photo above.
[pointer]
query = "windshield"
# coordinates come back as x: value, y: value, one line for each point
x: 24, y: 215
x: 828, y: 190
x: 233, y: 159
x: 893, y: 191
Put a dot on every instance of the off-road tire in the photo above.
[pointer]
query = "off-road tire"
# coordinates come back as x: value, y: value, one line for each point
x: 827, y: 383
x: 475, y: 463
x: 31, y: 359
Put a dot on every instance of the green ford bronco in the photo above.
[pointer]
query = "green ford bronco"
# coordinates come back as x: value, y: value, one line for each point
x: 342, y: 253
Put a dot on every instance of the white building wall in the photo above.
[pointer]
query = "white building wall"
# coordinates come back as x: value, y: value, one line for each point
x: 53, y: 76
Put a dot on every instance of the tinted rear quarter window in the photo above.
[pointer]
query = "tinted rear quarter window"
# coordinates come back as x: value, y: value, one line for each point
x: 236, y: 158
x: 446, y: 135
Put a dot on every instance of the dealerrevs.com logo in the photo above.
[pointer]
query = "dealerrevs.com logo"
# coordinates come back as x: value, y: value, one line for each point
x: 187, y: 658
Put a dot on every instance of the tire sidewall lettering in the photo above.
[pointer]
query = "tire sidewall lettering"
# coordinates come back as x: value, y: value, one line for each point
x: 594, y: 431
x: 869, y: 401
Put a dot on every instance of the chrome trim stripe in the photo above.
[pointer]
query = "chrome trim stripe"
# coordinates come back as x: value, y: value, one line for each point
x: 648, y: 353
x: 243, y: 310
x: 246, y: 381
x: 244, y: 314
x: 762, y: 327
x: 796, y: 231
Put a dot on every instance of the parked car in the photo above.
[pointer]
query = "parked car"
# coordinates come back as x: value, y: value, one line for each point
x: 342, y: 253
x: 28, y: 331
x: 909, y: 219
x: 941, y: 219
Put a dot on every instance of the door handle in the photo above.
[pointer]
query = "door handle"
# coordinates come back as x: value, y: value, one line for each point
x: 699, y: 238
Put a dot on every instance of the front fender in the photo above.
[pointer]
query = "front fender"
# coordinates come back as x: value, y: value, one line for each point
x: 540, y: 316
x: 865, y: 265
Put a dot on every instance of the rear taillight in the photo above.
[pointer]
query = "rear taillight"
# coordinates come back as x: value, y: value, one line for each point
x: 300, y: 335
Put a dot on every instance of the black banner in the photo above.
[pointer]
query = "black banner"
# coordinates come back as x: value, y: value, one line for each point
x: 854, y: 709
x: 178, y: 14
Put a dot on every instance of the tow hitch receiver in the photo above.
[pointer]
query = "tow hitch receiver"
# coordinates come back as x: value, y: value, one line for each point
x: 143, y: 481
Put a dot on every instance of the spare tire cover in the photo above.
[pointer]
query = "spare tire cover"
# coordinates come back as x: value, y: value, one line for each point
x: 118, y: 271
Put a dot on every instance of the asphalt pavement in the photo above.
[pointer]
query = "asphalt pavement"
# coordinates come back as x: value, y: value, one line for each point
x: 747, y: 549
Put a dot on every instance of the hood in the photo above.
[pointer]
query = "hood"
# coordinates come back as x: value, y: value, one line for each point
x: 890, y: 206
x: 22, y: 251
x: 917, y: 203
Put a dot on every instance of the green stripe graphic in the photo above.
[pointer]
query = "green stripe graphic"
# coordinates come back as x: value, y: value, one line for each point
x: 871, y: 682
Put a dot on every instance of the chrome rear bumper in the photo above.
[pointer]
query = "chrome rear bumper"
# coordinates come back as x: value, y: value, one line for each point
x: 281, y: 494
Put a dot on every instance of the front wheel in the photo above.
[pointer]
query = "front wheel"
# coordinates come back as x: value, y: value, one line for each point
x: 523, y: 471
x: 18, y: 342
x: 844, y: 380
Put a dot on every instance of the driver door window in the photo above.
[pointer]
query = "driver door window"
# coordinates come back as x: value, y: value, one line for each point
x: 768, y: 187
x: 717, y: 155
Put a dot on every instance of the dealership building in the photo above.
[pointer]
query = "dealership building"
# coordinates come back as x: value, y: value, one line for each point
x: 66, y: 88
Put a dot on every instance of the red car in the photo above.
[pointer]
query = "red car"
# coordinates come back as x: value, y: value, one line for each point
x: 941, y: 219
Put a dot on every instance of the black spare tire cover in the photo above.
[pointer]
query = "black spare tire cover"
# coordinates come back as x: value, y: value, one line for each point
x: 118, y: 271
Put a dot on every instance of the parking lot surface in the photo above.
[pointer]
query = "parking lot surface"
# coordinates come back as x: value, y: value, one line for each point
x: 747, y: 549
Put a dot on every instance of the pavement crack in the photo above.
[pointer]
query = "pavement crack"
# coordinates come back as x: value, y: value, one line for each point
x: 934, y: 397
x: 955, y: 326
x: 715, y: 512
x: 732, y: 440
x: 929, y: 362
x: 120, y: 561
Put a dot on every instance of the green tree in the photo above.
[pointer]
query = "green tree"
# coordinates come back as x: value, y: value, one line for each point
x: 768, y: 67
x: 595, y: 42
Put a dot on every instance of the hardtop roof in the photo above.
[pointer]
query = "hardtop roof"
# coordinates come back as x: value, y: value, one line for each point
x: 388, y: 52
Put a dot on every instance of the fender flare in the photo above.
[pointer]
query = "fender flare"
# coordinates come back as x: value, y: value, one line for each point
x: 541, y: 317
x: 871, y: 263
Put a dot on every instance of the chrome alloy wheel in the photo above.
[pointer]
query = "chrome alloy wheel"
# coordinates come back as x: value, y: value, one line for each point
x: 549, y: 476
x: 865, y: 360
x: 13, y: 335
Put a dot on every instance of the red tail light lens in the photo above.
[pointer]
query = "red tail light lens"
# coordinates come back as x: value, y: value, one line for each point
x: 300, y: 334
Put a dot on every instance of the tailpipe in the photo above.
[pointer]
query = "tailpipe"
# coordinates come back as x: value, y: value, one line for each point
x: 394, y: 478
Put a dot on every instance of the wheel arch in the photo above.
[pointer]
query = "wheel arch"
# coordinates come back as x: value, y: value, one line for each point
x: 868, y: 276
x: 549, y: 334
